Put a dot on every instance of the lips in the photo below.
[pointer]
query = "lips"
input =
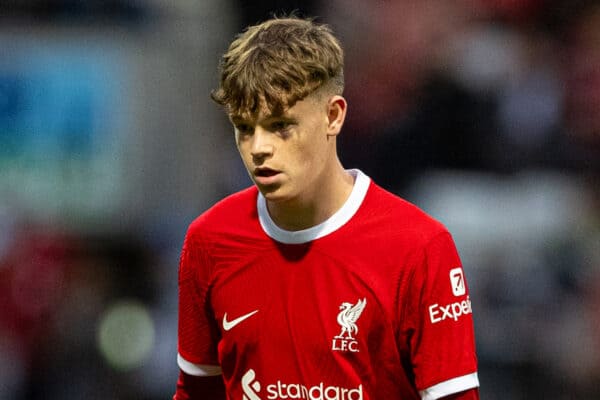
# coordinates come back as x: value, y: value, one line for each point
x: 265, y: 172
x: 266, y: 176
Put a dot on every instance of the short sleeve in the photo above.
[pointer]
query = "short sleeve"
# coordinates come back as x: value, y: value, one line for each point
x: 198, y: 334
x: 442, y: 343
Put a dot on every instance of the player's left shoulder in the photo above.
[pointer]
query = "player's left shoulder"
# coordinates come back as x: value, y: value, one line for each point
x: 404, y: 217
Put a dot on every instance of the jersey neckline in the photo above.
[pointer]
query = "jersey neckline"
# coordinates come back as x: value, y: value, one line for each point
x: 333, y: 223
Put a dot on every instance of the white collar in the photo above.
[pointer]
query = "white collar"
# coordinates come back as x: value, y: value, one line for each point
x: 336, y: 221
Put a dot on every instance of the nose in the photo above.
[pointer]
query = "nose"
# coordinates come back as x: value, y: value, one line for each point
x: 261, y: 146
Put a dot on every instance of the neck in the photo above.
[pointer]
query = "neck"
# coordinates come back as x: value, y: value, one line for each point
x: 316, y: 207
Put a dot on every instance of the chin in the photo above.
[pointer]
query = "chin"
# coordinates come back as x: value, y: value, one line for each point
x: 274, y: 195
x: 269, y: 192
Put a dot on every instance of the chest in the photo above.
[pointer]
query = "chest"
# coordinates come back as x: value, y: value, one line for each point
x: 296, y: 306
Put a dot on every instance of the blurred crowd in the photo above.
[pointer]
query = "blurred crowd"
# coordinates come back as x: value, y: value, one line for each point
x: 485, y: 113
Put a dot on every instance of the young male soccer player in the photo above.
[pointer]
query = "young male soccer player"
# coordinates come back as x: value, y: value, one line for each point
x: 315, y: 283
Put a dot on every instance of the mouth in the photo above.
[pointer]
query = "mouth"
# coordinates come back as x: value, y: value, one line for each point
x: 265, y: 172
x: 266, y: 176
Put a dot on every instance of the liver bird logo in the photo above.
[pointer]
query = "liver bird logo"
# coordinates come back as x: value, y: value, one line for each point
x: 348, y: 316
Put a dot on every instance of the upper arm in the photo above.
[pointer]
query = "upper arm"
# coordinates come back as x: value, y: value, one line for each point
x: 198, y: 333
x: 442, y: 346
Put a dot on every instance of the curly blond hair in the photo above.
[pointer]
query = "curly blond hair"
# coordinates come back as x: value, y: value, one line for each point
x: 277, y: 63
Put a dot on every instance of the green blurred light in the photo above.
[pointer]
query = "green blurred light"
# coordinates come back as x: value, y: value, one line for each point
x: 125, y: 334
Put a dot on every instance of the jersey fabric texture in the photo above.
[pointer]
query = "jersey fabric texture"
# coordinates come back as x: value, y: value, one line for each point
x: 371, y: 304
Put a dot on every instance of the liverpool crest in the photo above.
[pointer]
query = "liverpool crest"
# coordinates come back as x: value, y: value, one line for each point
x: 347, y: 318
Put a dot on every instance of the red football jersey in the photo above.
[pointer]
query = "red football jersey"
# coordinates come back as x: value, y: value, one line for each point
x: 371, y: 304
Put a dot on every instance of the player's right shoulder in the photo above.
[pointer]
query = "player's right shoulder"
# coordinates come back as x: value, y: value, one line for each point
x: 235, y: 208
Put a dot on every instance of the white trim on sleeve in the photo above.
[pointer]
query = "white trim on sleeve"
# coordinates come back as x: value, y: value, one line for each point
x: 197, y: 369
x: 451, y: 386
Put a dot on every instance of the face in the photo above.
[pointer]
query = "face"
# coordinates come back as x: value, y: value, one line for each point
x: 288, y: 155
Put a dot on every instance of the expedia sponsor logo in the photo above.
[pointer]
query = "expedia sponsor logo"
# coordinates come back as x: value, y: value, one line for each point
x: 453, y: 311
x: 457, y: 281
x: 280, y: 390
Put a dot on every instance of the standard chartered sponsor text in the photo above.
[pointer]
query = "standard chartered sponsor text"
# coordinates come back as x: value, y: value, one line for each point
x: 282, y: 390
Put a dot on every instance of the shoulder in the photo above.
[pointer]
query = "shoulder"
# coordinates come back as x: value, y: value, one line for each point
x: 396, y: 216
x: 232, y: 211
x: 219, y: 231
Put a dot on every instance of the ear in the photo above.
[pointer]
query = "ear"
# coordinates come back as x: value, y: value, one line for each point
x: 336, y: 114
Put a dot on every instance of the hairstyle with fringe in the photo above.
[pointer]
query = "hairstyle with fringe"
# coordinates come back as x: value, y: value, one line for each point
x: 277, y: 63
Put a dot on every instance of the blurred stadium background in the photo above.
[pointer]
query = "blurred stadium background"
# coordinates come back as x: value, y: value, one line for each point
x: 486, y: 113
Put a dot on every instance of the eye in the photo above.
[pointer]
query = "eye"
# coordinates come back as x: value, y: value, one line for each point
x: 244, y: 129
x: 280, y: 126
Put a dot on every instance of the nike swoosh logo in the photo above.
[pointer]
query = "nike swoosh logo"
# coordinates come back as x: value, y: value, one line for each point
x: 227, y: 325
